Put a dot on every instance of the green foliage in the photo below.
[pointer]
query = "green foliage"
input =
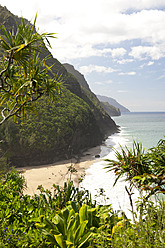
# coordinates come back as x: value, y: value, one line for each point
x: 111, y: 110
x: 61, y: 128
x: 148, y: 232
x: 154, y: 182
x: 68, y: 228
x: 144, y: 170
x: 23, y: 77
x: 41, y: 221
x: 130, y: 163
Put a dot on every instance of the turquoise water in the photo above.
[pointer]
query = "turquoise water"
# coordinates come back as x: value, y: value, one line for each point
x: 147, y: 128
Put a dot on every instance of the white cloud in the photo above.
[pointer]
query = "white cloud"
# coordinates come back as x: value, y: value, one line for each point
x: 131, y: 73
x: 161, y: 77
x: 122, y: 91
x: 150, y: 63
x: 145, y: 52
x: 81, y: 25
x: 104, y: 82
x: 147, y: 64
x: 124, y: 61
x: 95, y: 68
x: 118, y: 52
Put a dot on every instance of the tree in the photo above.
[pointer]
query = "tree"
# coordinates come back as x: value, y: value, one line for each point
x: 24, y: 78
x: 143, y: 170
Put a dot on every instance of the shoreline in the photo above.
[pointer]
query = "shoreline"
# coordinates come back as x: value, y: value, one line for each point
x: 59, y: 172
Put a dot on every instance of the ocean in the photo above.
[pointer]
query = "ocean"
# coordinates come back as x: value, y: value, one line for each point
x: 145, y: 127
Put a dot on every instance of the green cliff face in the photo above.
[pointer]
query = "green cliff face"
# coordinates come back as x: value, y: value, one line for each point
x: 111, y: 110
x: 60, y: 129
x: 101, y: 114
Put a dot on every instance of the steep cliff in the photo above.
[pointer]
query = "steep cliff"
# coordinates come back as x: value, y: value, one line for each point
x: 106, y: 124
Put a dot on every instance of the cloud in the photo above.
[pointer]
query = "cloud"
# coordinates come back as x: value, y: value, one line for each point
x: 161, y: 77
x: 145, y: 52
x: 96, y: 68
x: 104, y: 82
x: 122, y: 91
x: 131, y: 73
x: 147, y: 64
x: 124, y: 61
x: 150, y: 63
x: 81, y: 25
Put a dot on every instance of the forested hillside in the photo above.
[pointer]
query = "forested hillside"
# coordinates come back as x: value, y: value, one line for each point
x: 60, y: 129
x: 104, y: 108
x: 114, y: 103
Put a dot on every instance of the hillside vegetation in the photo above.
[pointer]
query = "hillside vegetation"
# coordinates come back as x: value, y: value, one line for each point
x: 60, y: 129
x: 106, y: 108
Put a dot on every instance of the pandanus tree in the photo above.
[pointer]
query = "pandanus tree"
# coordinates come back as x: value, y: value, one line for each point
x: 24, y: 78
x: 142, y: 170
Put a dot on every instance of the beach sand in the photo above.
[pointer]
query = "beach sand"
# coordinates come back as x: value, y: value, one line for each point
x: 58, y: 173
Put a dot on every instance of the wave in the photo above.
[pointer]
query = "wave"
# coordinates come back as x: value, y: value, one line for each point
x: 100, y: 182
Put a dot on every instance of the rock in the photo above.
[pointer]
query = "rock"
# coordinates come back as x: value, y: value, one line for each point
x: 97, y: 156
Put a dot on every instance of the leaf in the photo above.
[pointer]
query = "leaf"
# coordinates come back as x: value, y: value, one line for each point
x: 80, y: 231
x: 59, y: 222
x: 84, y: 239
x: 60, y: 240
x: 83, y: 213
x: 50, y: 237
x: 49, y: 223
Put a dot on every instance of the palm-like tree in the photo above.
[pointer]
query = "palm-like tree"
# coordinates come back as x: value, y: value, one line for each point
x: 23, y: 76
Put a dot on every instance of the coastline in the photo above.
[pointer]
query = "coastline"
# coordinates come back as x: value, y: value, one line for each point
x: 57, y: 173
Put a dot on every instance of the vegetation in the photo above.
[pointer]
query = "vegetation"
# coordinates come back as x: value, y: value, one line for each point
x: 59, y: 130
x: 23, y: 77
x: 30, y: 85
x: 69, y: 218
x: 111, y: 110
x: 143, y: 170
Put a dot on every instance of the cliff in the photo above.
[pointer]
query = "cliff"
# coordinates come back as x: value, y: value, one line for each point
x: 103, y: 118
x: 114, y: 103
x: 111, y: 110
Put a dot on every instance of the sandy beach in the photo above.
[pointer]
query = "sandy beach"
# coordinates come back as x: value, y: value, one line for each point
x: 59, y: 172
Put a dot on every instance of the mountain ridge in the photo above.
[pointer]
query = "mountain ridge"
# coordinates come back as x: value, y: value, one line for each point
x: 113, y: 102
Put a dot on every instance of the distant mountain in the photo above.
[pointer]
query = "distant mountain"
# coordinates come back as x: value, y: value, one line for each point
x: 95, y: 103
x: 111, y: 110
x: 114, y: 103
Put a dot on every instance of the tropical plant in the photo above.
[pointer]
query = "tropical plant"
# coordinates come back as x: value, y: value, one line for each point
x: 23, y: 77
x: 62, y: 196
x: 154, y: 182
x: 130, y: 163
x: 143, y: 170
x: 68, y: 228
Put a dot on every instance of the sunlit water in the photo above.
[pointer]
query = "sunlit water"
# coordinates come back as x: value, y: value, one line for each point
x: 147, y: 128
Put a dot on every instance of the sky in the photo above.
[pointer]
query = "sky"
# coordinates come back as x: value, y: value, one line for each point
x: 118, y: 45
